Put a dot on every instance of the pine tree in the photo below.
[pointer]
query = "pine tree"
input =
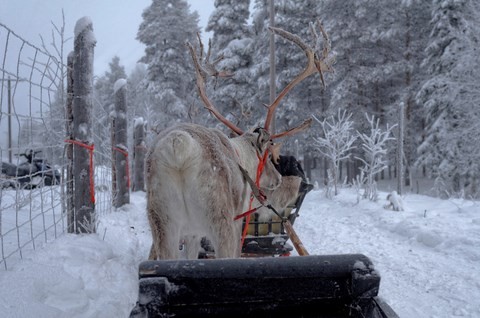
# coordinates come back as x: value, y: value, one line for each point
x: 294, y: 17
x: 166, y: 26
x: 103, y: 103
x: 379, y: 49
x: 451, y: 96
x: 405, y: 43
x: 232, y: 39
x: 104, y: 84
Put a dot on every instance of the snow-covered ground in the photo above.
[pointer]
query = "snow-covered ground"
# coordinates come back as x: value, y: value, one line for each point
x: 428, y: 256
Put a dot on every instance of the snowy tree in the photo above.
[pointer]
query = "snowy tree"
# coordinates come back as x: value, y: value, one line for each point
x: 378, y: 50
x: 166, y: 26
x: 232, y: 39
x: 294, y: 17
x: 297, y: 17
x: 140, y: 102
x: 406, y: 41
x: 374, y: 152
x: 228, y: 22
x: 450, y: 98
x: 104, y: 84
x: 102, y: 107
x: 358, y: 53
x: 336, y: 144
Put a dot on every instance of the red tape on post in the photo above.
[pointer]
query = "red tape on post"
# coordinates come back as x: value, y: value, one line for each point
x: 90, y: 149
x: 261, y: 166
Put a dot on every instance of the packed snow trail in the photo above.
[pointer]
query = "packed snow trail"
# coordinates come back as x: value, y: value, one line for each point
x: 428, y: 257
x: 429, y: 261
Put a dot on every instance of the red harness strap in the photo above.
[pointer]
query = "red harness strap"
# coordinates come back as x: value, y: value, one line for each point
x: 248, y: 214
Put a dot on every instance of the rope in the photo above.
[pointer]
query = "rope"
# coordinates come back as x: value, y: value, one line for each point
x: 127, y: 170
x: 90, y: 149
x: 246, y: 213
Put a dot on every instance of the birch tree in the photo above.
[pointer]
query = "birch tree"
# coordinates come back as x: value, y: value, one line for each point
x: 374, y: 154
x: 336, y: 144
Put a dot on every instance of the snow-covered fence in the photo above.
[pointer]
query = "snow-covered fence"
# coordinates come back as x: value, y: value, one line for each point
x: 36, y: 113
x: 31, y: 118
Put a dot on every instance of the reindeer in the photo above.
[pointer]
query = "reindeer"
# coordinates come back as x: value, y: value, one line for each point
x: 197, y: 176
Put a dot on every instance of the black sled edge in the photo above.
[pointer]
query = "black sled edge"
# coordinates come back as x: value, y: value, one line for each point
x: 327, y: 286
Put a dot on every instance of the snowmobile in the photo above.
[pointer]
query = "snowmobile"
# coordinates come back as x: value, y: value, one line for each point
x: 33, y: 173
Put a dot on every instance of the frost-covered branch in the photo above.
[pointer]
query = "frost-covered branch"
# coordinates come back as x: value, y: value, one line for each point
x: 56, y: 65
x: 374, y: 149
x: 337, y: 143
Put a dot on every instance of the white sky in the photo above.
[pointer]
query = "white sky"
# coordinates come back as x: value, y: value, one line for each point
x: 115, y: 24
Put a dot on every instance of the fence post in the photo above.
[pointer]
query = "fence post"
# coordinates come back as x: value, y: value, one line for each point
x: 122, y: 196
x: 84, y: 201
x: 112, y: 142
x: 69, y: 146
x: 139, y: 149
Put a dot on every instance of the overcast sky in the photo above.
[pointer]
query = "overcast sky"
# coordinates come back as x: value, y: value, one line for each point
x: 115, y: 24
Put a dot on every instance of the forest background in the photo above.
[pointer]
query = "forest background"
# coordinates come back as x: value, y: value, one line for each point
x: 423, y: 54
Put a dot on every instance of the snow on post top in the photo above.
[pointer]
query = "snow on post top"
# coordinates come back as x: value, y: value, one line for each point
x: 85, y: 25
x: 119, y: 84
x: 138, y: 121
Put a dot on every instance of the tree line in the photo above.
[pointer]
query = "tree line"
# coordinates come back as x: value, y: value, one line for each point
x: 416, y: 52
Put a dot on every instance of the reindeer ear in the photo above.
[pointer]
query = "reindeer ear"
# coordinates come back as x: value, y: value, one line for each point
x: 275, y: 151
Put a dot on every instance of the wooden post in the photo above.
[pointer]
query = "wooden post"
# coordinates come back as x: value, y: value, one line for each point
x: 400, y: 175
x: 120, y: 144
x: 84, y: 201
x: 114, y: 169
x: 297, y: 243
x: 139, y: 150
x: 69, y: 146
x: 9, y: 117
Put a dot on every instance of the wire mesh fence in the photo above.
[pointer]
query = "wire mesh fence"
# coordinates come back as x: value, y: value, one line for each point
x: 32, y: 149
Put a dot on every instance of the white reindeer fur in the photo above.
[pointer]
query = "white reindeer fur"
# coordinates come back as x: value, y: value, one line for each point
x: 280, y: 198
x: 195, y: 189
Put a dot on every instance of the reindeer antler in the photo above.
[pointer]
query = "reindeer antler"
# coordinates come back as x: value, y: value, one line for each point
x: 204, y: 68
x: 316, y: 63
x: 319, y: 60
